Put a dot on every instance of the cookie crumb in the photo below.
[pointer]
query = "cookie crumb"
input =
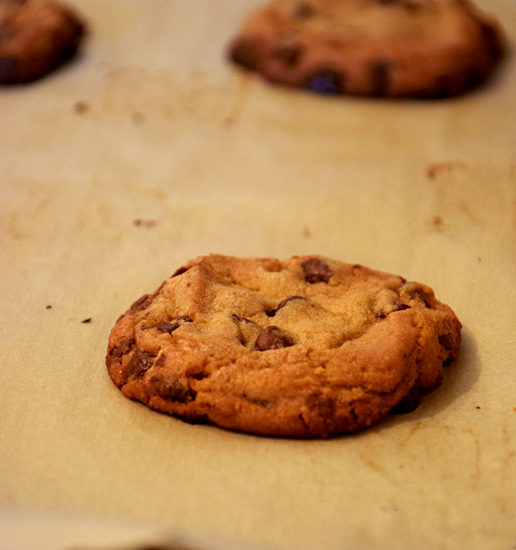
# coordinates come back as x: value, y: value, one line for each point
x: 138, y: 222
x: 87, y: 320
x: 81, y: 107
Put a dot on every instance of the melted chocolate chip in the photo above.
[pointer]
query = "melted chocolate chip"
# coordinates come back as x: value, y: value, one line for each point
x: 179, y: 271
x: 141, y: 303
x: 316, y: 271
x: 171, y: 326
x: 272, y: 337
x: 124, y: 346
x: 140, y: 362
x: 283, y: 303
x: 174, y: 390
x: 447, y: 341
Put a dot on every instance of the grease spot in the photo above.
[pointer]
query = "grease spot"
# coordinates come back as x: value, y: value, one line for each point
x: 81, y: 107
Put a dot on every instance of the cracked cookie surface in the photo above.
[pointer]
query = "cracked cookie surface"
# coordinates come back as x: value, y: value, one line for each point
x: 306, y: 347
x: 36, y: 36
x: 393, y: 48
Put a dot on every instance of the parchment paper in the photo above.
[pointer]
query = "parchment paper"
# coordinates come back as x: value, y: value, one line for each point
x: 151, y: 149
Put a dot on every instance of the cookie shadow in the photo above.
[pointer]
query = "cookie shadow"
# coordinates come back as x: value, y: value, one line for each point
x: 458, y: 380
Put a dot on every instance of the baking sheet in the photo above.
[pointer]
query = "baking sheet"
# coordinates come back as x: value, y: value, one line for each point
x: 150, y: 150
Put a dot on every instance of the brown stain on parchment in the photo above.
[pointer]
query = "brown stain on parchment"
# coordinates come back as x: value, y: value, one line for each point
x: 437, y: 169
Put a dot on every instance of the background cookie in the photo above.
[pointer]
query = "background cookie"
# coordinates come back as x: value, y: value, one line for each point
x: 35, y: 37
x: 306, y: 347
x: 396, y: 48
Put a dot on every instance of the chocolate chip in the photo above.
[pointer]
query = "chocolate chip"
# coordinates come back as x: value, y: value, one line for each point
x: 419, y: 294
x: 326, y: 81
x: 316, y: 271
x: 174, y: 390
x: 447, y: 341
x: 179, y: 271
x: 124, y: 346
x: 303, y: 10
x: 398, y: 307
x: 142, y: 302
x: 140, y: 362
x: 283, y: 303
x: 416, y: 292
x: 381, y: 71
x: 272, y: 337
x: 171, y: 326
x: 88, y: 320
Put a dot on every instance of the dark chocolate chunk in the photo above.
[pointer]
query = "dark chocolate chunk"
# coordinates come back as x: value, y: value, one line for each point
x: 140, y: 362
x: 272, y: 337
x: 316, y: 271
x: 87, y: 320
x: 175, y: 324
x: 283, y: 303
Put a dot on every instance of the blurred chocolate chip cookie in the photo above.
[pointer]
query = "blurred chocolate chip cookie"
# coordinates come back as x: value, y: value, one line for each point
x: 36, y: 36
x: 392, y: 48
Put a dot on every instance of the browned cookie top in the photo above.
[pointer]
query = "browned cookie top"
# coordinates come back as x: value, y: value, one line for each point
x: 35, y: 37
x: 305, y: 347
x: 397, y: 48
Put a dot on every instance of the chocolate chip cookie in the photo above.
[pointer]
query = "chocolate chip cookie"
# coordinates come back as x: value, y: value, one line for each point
x: 392, y: 48
x: 307, y: 347
x: 36, y: 36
